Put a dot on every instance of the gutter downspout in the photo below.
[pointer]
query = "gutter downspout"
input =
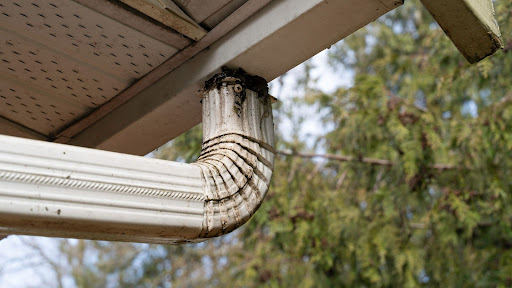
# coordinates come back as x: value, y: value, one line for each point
x: 56, y: 190
x: 237, y: 157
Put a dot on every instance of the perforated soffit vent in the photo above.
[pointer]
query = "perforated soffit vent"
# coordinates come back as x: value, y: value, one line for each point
x: 60, y: 60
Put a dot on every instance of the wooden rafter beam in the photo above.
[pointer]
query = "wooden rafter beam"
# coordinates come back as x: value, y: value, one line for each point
x: 470, y: 24
x: 169, y: 14
x: 117, y: 11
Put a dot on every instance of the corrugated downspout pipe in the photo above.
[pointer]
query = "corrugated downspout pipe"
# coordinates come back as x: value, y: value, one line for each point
x: 237, y: 156
x: 57, y: 190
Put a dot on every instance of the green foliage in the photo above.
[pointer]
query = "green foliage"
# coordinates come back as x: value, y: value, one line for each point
x: 416, y: 102
x: 185, y: 148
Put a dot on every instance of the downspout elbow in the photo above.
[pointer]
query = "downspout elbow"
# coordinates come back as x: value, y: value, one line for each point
x: 237, y: 155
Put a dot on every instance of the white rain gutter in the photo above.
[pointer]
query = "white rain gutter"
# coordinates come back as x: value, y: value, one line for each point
x: 56, y: 190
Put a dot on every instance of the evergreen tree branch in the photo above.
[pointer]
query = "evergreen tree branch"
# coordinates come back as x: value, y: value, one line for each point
x: 341, y: 179
x: 366, y: 160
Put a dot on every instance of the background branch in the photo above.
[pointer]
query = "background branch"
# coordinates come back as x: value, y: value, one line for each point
x: 366, y: 160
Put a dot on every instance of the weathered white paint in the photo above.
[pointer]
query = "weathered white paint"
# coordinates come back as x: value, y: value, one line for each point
x: 58, y: 190
x: 237, y: 157
x: 277, y: 38
x: 169, y: 14
x: 115, y: 11
x: 470, y: 24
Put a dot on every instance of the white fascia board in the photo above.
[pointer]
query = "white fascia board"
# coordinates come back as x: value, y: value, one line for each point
x: 58, y: 190
x: 275, y: 39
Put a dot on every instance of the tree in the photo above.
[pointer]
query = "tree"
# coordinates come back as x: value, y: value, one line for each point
x: 416, y: 194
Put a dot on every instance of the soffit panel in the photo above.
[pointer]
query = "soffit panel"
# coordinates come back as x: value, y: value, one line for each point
x: 41, y: 112
x: 41, y: 67
x: 65, y: 60
x: 11, y: 128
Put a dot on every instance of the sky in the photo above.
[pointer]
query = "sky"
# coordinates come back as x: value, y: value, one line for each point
x: 22, y: 267
x: 324, y: 78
